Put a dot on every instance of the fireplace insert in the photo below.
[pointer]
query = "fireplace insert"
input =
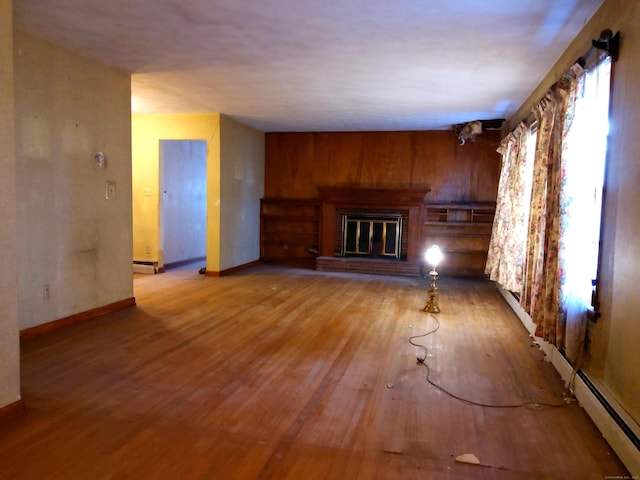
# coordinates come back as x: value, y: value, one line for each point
x: 371, y: 235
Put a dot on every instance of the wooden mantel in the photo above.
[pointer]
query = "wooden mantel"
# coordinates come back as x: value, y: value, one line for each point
x: 346, y: 197
x: 373, y: 196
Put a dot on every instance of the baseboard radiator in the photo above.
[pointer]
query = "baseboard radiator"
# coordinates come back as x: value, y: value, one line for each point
x: 145, y: 267
x: 617, y: 427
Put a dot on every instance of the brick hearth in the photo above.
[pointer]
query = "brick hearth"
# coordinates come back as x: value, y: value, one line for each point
x: 368, y: 265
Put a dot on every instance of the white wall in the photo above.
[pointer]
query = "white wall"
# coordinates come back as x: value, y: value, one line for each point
x: 70, y: 236
x: 241, y: 187
x: 9, y: 334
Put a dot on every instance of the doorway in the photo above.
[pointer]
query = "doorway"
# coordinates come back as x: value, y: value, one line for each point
x: 183, y: 202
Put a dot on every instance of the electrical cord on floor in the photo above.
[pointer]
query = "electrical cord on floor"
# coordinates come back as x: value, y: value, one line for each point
x: 422, y: 361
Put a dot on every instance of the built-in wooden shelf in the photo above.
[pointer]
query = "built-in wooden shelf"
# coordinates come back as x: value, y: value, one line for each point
x: 462, y: 231
x: 289, y: 230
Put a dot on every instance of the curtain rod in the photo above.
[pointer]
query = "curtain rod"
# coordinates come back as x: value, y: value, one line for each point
x: 608, y: 42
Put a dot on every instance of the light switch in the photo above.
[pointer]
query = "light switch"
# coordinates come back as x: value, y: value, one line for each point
x: 110, y: 189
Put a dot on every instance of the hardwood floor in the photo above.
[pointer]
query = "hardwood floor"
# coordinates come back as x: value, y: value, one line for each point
x: 277, y: 373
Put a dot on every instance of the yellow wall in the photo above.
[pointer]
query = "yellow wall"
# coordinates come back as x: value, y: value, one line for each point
x: 613, y: 357
x: 146, y: 133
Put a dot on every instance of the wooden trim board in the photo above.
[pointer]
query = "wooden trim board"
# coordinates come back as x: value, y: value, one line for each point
x: 38, y: 330
x: 232, y: 270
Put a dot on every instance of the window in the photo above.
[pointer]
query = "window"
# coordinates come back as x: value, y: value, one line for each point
x: 546, y: 235
x: 584, y: 155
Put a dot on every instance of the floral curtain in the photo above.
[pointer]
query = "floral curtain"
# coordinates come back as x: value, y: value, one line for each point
x: 506, y: 248
x: 544, y: 275
x: 531, y: 297
x: 559, y: 253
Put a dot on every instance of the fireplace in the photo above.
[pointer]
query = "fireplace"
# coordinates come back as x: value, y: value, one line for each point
x: 371, y: 233
x: 371, y: 230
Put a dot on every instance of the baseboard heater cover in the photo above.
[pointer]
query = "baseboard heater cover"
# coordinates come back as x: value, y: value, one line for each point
x: 145, y: 267
x: 624, y: 426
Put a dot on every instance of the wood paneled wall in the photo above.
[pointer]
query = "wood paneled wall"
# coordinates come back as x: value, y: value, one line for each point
x: 298, y: 162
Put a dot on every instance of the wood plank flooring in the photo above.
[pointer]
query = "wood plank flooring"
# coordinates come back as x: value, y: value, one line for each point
x: 282, y: 373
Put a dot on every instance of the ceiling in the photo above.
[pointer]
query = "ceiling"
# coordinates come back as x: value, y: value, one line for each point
x: 320, y: 65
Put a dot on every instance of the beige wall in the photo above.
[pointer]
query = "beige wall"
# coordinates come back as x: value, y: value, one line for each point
x: 241, y: 187
x: 613, y: 357
x: 70, y: 236
x: 9, y: 329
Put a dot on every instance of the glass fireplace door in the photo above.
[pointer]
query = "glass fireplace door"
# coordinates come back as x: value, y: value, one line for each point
x: 371, y: 236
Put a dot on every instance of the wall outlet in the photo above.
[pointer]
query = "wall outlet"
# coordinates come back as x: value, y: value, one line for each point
x: 46, y: 291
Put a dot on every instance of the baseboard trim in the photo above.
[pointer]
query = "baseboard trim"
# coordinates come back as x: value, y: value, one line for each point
x: 11, y: 411
x: 38, y: 330
x: 232, y: 270
x: 182, y: 263
x: 616, y: 427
